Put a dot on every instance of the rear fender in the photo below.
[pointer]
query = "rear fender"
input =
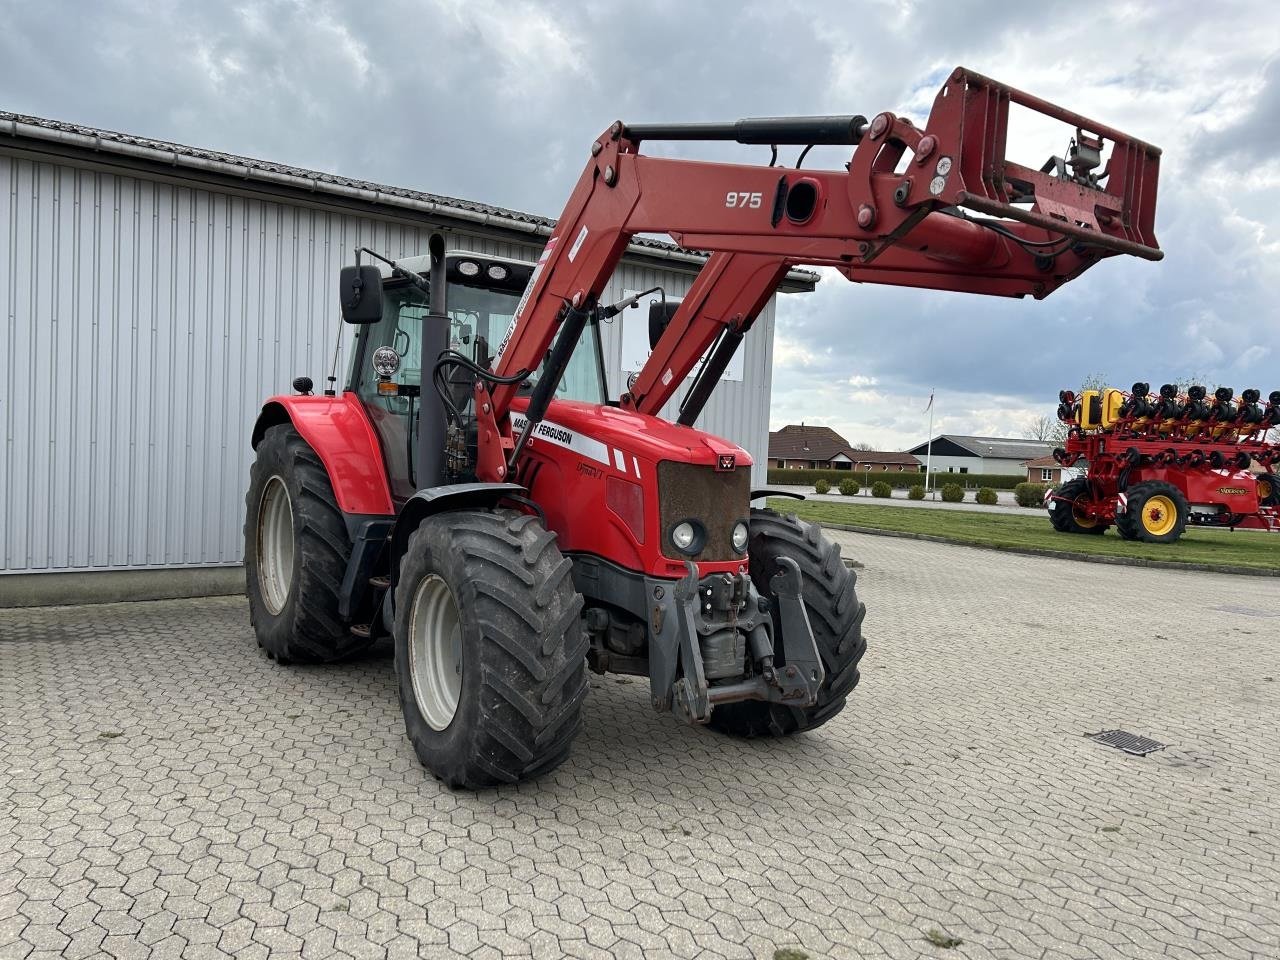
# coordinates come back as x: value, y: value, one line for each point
x: 338, y: 430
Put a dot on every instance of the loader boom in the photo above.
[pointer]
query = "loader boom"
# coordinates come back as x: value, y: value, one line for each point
x: 896, y: 215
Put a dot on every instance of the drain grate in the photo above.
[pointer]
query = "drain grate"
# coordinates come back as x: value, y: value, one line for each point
x: 1130, y: 743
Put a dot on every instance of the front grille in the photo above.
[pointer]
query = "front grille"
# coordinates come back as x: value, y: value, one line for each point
x: 688, y: 491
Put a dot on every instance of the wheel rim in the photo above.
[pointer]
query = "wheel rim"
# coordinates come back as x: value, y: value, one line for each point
x: 1081, y: 518
x: 275, y: 545
x: 1159, y: 514
x: 1264, y: 490
x: 435, y: 652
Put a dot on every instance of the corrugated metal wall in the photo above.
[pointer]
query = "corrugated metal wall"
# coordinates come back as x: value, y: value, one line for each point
x: 145, y: 323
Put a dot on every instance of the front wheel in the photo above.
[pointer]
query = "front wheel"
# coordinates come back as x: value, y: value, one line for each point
x: 489, y: 647
x: 835, y: 614
x: 1068, y: 512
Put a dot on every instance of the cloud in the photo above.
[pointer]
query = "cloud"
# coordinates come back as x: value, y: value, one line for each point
x: 499, y: 101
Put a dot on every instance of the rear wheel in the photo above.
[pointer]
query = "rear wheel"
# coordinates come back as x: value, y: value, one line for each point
x: 1268, y: 490
x: 1069, y: 514
x: 296, y: 552
x: 835, y: 614
x: 1156, y: 513
x: 490, y: 651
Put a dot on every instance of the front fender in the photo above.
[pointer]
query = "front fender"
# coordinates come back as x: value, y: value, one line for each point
x: 432, y: 500
x: 338, y: 430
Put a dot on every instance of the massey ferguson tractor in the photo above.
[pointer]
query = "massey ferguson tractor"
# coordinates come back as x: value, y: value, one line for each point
x: 475, y: 494
x: 1159, y: 462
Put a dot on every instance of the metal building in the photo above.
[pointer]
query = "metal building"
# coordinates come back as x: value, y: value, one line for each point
x: 155, y: 293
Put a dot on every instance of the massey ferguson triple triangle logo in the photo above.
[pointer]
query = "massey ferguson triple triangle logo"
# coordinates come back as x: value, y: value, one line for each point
x: 726, y: 461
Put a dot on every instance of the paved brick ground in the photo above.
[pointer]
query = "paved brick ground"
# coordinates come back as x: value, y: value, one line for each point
x: 165, y: 790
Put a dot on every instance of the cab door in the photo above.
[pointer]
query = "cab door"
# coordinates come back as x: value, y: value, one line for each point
x: 395, y: 344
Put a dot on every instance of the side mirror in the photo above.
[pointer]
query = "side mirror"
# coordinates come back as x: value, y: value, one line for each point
x: 360, y: 293
x: 660, y: 314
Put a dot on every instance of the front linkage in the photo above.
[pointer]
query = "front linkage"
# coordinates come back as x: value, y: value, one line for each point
x: 702, y: 630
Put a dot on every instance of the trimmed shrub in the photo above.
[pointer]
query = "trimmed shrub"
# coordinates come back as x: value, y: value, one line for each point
x: 848, y: 487
x: 953, y: 493
x: 986, y: 495
x: 881, y: 489
x: 822, y: 486
x: 916, y: 492
x: 1030, y: 494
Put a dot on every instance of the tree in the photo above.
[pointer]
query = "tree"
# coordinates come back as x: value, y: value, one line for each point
x: 1042, y: 428
x: 863, y: 445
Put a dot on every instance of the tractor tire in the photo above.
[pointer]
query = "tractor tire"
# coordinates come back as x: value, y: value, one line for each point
x: 296, y: 549
x: 490, y: 651
x: 1156, y: 513
x: 1064, y: 516
x: 835, y: 614
x: 1268, y: 490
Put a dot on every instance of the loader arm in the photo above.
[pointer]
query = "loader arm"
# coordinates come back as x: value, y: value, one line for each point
x: 728, y: 294
x: 900, y: 213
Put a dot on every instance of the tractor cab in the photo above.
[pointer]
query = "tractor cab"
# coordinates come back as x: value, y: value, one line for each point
x: 393, y: 364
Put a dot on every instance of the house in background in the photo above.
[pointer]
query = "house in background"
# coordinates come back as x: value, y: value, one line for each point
x: 1044, y: 470
x: 798, y: 447
x: 958, y: 454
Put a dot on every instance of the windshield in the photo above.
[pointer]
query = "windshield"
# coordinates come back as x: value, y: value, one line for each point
x: 478, y: 320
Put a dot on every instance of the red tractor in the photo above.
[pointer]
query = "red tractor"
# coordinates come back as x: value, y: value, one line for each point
x: 474, y: 494
x: 1157, y: 463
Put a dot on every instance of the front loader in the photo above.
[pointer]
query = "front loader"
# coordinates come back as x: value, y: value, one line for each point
x: 474, y: 493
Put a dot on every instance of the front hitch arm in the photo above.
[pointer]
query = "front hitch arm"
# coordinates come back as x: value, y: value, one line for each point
x: 691, y: 689
x: 800, y: 678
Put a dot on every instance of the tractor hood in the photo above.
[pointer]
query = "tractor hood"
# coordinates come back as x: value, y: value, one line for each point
x: 603, y: 433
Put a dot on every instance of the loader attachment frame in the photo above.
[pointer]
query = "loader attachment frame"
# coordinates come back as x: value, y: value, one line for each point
x: 895, y: 214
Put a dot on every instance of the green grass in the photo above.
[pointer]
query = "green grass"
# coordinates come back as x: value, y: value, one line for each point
x: 1246, y: 548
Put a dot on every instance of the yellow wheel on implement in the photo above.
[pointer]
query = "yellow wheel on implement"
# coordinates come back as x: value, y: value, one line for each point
x: 1157, y: 512
x: 1159, y: 515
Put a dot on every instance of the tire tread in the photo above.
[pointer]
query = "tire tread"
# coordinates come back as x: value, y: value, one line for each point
x: 835, y: 614
x: 316, y: 632
x: 532, y: 648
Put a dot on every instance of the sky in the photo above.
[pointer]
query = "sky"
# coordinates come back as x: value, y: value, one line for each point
x: 498, y: 102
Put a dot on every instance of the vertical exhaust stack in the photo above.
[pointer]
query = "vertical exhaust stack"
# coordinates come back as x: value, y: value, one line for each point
x: 435, y: 340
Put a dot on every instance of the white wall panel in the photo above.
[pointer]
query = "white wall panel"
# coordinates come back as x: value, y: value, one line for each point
x: 146, y: 322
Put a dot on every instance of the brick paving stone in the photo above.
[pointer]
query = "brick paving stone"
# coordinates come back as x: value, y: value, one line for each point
x: 255, y: 811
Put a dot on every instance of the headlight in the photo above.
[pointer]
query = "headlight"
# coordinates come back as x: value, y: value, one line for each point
x: 497, y: 271
x: 469, y: 268
x: 740, y: 536
x: 685, y: 537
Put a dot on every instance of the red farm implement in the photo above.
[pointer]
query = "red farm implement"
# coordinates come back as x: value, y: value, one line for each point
x: 1158, y: 462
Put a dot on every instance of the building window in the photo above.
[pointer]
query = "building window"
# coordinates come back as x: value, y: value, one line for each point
x: 964, y: 469
x: 1046, y: 474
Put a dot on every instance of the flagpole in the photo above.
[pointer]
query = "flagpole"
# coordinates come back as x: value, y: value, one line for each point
x: 928, y: 454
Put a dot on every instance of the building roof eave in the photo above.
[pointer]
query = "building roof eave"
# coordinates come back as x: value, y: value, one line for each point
x: 19, y: 130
